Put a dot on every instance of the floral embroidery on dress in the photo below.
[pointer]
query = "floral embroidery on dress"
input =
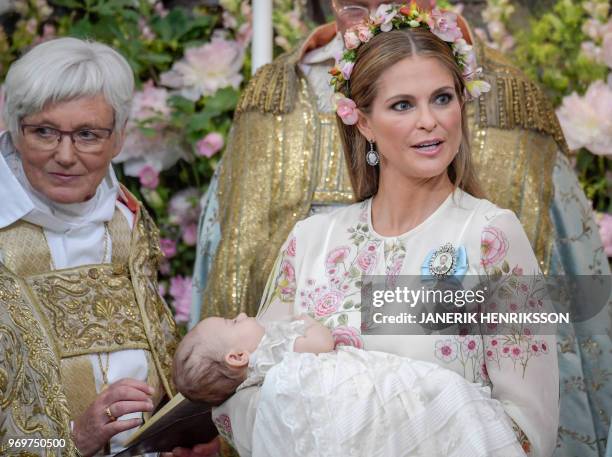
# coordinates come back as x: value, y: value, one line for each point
x: 345, y: 335
x: 224, y: 427
x: 494, y: 246
x: 467, y: 351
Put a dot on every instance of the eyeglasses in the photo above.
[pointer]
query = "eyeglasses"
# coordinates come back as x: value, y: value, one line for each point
x: 47, y: 138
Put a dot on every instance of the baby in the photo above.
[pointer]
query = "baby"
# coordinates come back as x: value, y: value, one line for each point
x: 317, y: 401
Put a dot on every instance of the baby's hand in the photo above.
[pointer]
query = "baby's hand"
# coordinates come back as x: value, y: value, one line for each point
x: 317, y: 339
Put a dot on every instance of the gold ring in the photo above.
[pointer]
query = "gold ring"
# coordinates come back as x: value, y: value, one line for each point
x: 110, y: 415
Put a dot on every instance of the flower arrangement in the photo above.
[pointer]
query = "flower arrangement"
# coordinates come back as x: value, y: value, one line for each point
x: 443, y: 24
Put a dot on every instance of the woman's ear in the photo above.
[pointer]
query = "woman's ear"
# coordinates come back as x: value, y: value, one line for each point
x: 237, y: 359
x: 363, y: 125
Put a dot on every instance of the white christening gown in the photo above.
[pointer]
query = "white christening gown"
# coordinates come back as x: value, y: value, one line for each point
x: 352, y: 402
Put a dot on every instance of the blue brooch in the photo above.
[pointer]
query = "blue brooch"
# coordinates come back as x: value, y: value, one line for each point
x: 445, y: 261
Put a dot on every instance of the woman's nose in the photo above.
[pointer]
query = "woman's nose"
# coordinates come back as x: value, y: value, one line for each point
x: 427, y: 120
x: 65, y: 154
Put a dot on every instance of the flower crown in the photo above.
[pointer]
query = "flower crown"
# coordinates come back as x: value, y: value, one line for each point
x: 443, y: 24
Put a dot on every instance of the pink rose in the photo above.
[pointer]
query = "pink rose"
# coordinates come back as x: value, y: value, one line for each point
x: 604, y: 221
x: 446, y: 350
x: 493, y: 245
x: 190, y: 234
x: 336, y: 256
x: 347, y: 336
x: 180, y: 291
x: 210, y: 144
x: 364, y: 33
x: 149, y: 177
x: 168, y: 247
x: 516, y: 352
x: 291, y: 247
x: 288, y: 271
x: 347, y: 111
x: 351, y: 40
x: 366, y: 261
x: 328, y: 302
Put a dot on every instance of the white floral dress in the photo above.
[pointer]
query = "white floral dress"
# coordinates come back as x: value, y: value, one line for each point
x: 353, y: 402
x: 319, y: 272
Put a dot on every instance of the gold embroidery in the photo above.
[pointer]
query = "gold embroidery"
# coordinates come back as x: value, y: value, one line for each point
x: 81, y: 390
x: 24, y: 249
x: 31, y: 398
x: 90, y: 309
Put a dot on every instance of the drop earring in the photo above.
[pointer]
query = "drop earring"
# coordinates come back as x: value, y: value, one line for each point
x: 372, y: 156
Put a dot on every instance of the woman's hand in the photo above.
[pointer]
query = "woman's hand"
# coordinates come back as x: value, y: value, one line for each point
x: 95, y: 427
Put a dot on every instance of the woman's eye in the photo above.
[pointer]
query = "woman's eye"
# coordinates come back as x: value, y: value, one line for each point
x: 401, y: 106
x: 45, y: 131
x: 87, y: 135
x: 444, y: 99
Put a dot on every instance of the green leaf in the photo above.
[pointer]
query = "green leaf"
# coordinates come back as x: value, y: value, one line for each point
x: 505, y: 267
x: 343, y: 319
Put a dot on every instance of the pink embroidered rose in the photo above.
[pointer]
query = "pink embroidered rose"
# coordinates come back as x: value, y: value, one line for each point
x: 210, y: 144
x: 149, y: 177
x: 366, y: 261
x: 287, y: 271
x: 291, y: 247
x: 351, y: 40
x: 446, y: 350
x: 347, y: 336
x: 337, y: 256
x: 224, y: 426
x: 444, y: 25
x: 328, y: 302
x: 516, y: 352
x: 544, y: 347
x: 168, y: 247
x: 470, y: 345
x: 493, y: 245
x: 490, y: 354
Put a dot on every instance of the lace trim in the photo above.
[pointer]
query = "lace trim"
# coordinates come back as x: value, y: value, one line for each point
x: 278, y: 340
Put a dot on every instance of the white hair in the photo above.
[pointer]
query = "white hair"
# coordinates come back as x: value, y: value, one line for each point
x: 66, y: 69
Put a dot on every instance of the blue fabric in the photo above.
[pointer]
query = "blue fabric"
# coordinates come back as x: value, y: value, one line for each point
x: 461, y: 264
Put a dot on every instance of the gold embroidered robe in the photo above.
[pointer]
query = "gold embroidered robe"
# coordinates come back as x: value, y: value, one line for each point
x: 51, y: 321
x: 283, y: 156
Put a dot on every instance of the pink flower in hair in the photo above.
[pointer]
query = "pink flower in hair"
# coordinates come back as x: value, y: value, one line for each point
x: 351, y: 40
x: 364, y: 33
x: 346, y: 68
x: 346, y: 109
x: 444, y: 25
x: 383, y: 16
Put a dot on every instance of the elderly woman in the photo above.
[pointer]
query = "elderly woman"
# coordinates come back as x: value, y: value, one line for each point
x: 85, y: 338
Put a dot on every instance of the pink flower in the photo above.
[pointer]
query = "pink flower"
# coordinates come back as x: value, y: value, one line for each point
x: 604, y: 221
x: 328, y: 302
x: 347, y: 336
x: 606, y: 49
x: 346, y: 68
x: 364, y: 33
x: 161, y: 289
x: 383, y: 16
x: 517, y: 271
x: 366, y: 261
x: 587, y: 121
x: 484, y: 372
x: 444, y: 25
x: 224, y: 425
x: 210, y: 144
x: 470, y: 345
x: 544, y: 347
x: 347, y: 111
x: 446, y: 350
x: 168, y: 247
x: 493, y: 245
x: 490, y: 354
x: 288, y: 271
x: 291, y: 247
x: 351, y: 40
x: 149, y: 177
x: 150, y: 102
x: 180, y: 291
x: 206, y: 69
x: 184, y: 207
x: 190, y: 234
x: 336, y: 256
x: 516, y: 352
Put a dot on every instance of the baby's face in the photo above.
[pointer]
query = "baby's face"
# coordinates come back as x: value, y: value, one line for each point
x: 242, y: 333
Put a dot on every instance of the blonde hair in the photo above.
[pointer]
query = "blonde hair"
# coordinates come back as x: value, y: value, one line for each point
x: 200, y: 372
x: 373, y: 59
